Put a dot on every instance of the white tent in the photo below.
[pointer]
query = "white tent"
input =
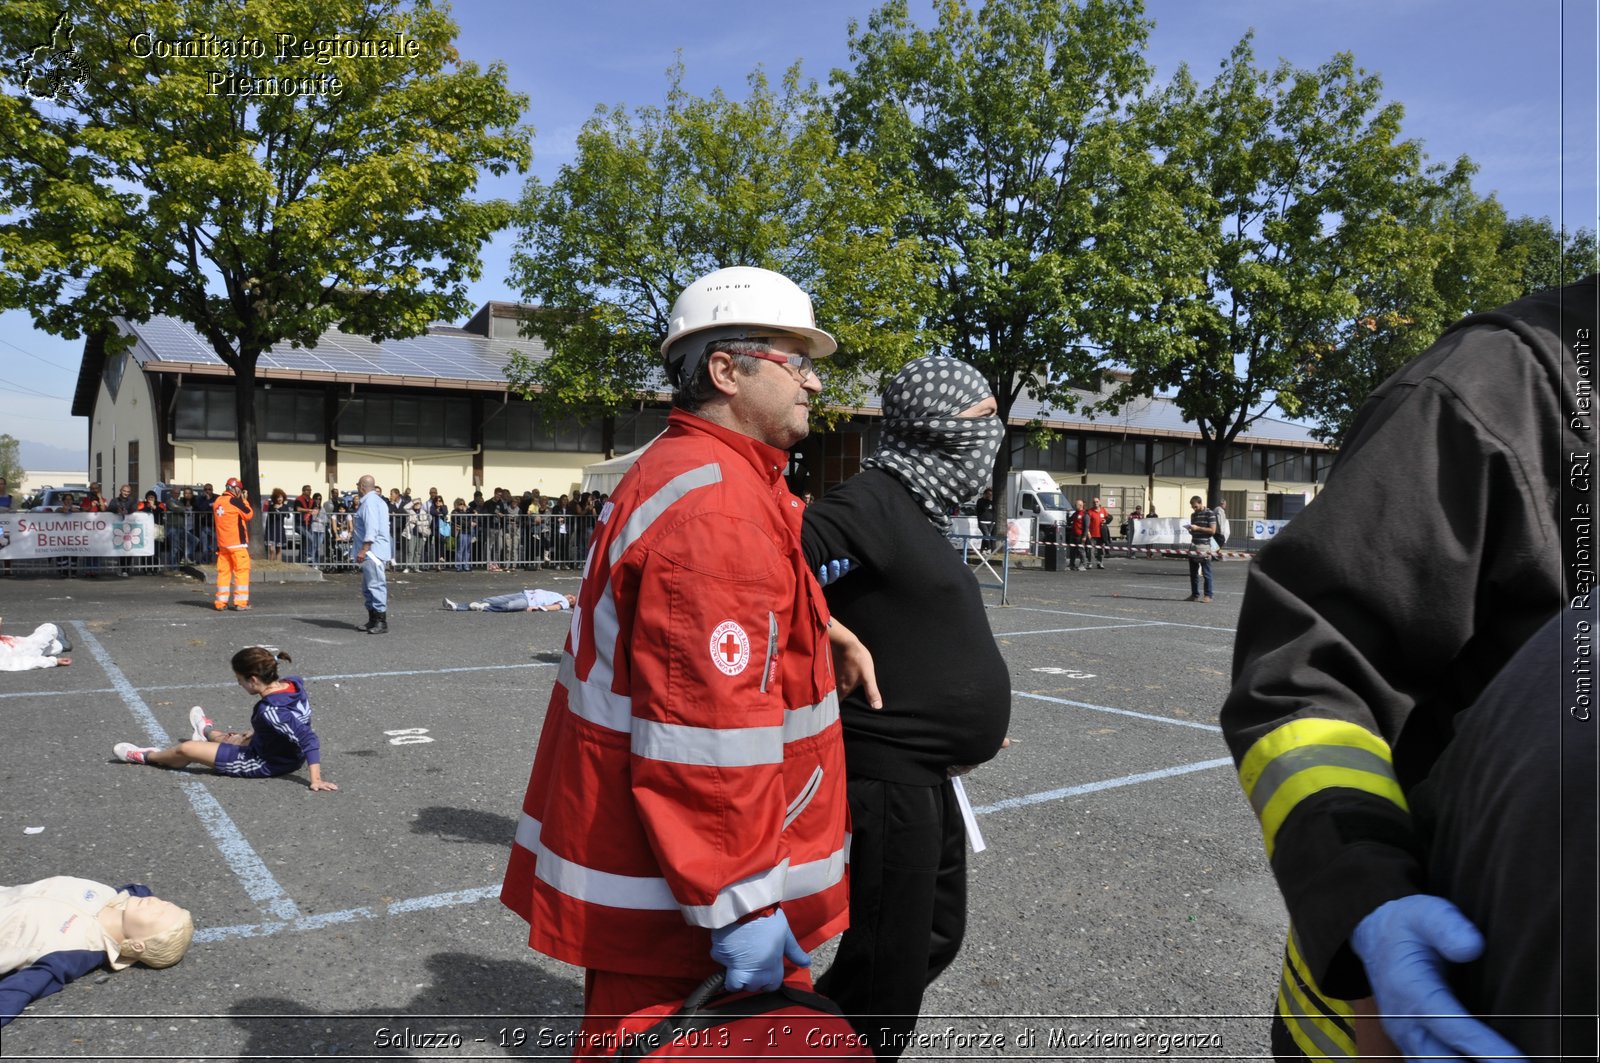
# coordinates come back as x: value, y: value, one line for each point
x: 604, y: 475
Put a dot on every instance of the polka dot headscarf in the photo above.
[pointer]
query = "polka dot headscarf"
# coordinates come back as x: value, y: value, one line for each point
x: 942, y: 459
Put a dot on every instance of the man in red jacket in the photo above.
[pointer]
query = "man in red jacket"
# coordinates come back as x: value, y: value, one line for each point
x: 686, y: 810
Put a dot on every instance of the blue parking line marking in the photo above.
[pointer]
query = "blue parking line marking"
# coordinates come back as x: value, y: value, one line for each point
x: 123, y: 687
x: 1120, y: 712
x: 456, y: 898
x: 449, y: 899
x: 1130, y: 620
x: 1096, y: 787
x: 229, y: 686
x: 445, y: 900
x: 246, y: 864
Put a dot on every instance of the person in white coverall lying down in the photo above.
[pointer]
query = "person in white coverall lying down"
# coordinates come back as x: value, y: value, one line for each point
x: 42, y: 649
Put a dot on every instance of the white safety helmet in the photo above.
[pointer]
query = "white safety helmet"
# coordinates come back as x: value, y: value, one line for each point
x: 739, y: 302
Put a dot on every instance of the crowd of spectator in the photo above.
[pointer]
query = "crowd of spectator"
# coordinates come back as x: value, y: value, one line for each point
x: 500, y: 531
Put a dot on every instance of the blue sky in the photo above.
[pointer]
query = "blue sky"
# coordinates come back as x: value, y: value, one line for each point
x: 1514, y: 91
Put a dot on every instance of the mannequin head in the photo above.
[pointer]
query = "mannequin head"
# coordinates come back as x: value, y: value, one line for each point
x: 152, y: 931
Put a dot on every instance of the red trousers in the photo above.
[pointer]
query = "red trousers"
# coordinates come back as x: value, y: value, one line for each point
x: 609, y: 997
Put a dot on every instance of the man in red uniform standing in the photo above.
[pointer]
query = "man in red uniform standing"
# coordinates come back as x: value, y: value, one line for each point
x: 231, y: 513
x: 686, y: 810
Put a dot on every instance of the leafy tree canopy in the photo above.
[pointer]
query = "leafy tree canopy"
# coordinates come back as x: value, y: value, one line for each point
x: 663, y: 195
x: 263, y: 171
x: 1299, y: 188
x: 11, y: 470
x: 1017, y: 129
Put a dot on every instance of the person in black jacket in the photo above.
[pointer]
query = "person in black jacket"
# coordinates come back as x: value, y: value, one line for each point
x: 1353, y: 671
x: 946, y: 691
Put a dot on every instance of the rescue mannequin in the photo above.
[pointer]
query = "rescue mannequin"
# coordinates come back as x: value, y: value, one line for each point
x: 61, y: 928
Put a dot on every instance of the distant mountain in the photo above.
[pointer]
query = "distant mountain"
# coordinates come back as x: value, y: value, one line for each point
x: 47, y: 458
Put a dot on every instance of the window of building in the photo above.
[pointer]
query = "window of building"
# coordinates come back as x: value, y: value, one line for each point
x: 133, y: 465
x: 635, y: 428
x: 99, y: 475
x: 283, y: 415
x: 1120, y: 457
x: 1182, y: 460
x: 1294, y: 466
x: 518, y: 426
x: 406, y: 421
x: 1061, y: 453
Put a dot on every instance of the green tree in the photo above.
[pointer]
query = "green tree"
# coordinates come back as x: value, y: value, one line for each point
x: 11, y: 470
x: 1453, y: 254
x: 661, y: 196
x: 1297, y: 183
x: 1444, y: 260
x: 1019, y: 130
x: 260, y: 194
x: 1549, y: 259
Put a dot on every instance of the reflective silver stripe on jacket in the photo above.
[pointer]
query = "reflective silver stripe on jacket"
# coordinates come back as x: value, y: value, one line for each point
x: 652, y: 894
x: 605, y: 624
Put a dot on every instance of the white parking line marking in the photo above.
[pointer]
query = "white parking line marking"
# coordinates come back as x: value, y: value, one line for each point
x: 1096, y: 787
x: 1070, y: 630
x: 1120, y: 712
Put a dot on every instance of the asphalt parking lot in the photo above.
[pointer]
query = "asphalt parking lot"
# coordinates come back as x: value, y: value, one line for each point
x: 1122, y: 909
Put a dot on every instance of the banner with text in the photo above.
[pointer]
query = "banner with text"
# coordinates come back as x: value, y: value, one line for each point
x: 25, y: 535
x: 1162, y: 531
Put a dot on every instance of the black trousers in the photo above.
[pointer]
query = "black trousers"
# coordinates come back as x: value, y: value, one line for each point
x: 908, y: 907
x: 1509, y: 812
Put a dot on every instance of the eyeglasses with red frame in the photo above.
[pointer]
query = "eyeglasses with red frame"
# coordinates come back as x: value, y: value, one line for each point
x: 799, y: 362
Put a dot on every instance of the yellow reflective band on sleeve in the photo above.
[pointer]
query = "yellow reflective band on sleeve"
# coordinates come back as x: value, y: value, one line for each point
x: 1305, y: 1011
x: 1305, y: 757
x: 1307, y: 731
x: 1303, y: 784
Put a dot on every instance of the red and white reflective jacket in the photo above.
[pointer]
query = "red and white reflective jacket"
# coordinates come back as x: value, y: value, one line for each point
x: 691, y: 767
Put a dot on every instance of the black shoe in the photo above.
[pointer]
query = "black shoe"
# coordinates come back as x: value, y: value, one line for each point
x: 372, y: 619
x: 379, y: 624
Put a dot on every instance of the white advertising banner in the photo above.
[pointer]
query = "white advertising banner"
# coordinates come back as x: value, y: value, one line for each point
x: 25, y: 535
x: 1019, y: 535
x: 1266, y: 529
x: 1162, y: 531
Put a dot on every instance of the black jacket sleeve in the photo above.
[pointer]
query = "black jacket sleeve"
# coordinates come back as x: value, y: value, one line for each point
x: 1360, y: 637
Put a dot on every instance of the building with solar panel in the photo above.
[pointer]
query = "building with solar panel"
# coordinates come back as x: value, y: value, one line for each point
x: 437, y: 411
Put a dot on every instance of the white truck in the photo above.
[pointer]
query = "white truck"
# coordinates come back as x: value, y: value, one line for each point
x: 1032, y: 497
x: 1034, y: 494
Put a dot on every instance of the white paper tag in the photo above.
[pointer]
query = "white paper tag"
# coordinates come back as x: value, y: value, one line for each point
x: 974, y: 835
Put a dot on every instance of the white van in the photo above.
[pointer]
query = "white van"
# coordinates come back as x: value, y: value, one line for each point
x: 1034, y: 493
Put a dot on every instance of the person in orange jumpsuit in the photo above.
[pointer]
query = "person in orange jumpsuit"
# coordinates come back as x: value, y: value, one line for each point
x: 231, y: 513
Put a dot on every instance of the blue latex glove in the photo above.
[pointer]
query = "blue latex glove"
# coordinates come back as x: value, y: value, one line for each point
x: 1404, y: 945
x: 753, y: 952
x: 830, y: 571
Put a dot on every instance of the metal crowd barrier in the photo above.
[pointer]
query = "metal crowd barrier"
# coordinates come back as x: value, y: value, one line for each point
x: 976, y: 547
x: 485, y: 541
